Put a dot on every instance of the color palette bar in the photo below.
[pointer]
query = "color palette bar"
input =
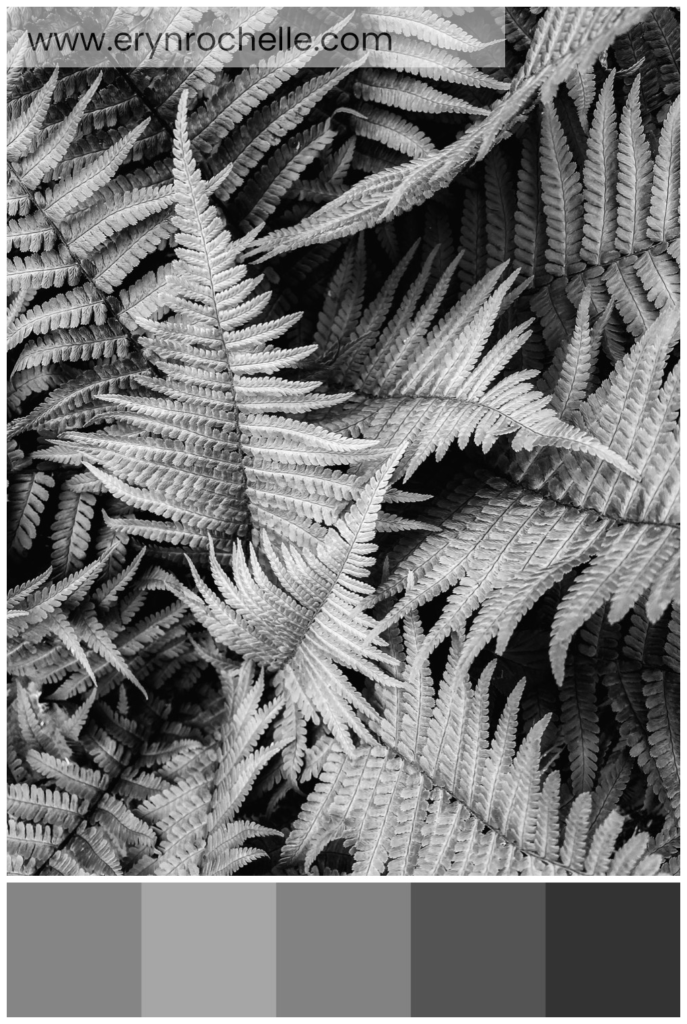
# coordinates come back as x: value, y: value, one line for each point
x: 343, y: 949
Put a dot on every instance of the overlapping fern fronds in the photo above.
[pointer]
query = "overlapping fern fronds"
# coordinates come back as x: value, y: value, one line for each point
x: 563, y: 41
x: 202, y: 447
x: 308, y: 624
x: 445, y: 796
x: 226, y: 653
x: 502, y: 545
x: 421, y: 380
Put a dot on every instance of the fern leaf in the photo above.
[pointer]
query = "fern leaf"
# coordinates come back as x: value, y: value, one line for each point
x: 93, y: 850
x: 419, y: 23
x: 95, y: 341
x: 123, y: 825
x: 392, y: 130
x: 627, y: 558
x: 488, y: 816
x: 74, y: 404
x: 600, y: 177
x: 268, y: 126
x: 663, y: 222
x: 634, y: 176
x: 33, y: 841
x: 305, y: 634
x: 195, y: 818
x: 238, y: 459
x: 49, y: 806
x: 31, y: 233
x: 427, y: 386
x: 580, y: 723
x: 23, y: 130
x: 613, y: 780
x: 53, y: 144
x: 529, y: 225
x: 573, y: 364
x: 581, y: 87
x: 392, y: 89
x: 44, y: 270
x: 394, y: 191
x: 214, y: 118
x: 562, y: 197
x: 283, y: 170
x: 64, y: 198
x: 82, y: 305
x: 661, y: 696
x: 71, y: 530
x: 498, y: 208
x: 28, y: 497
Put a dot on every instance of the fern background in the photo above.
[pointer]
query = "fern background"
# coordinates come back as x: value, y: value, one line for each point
x: 347, y: 545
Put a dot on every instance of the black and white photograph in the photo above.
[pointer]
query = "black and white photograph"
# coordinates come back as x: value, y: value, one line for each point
x: 343, y: 457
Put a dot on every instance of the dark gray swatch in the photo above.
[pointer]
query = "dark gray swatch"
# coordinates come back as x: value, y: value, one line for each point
x: 479, y: 950
x: 209, y: 949
x: 620, y: 943
x: 343, y: 949
x: 73, y: 949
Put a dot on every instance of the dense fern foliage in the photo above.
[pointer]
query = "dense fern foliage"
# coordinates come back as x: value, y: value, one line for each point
x: 343, y: 458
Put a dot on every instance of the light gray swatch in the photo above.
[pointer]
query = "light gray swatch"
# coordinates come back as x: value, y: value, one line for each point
x: 209, y: 949
x: 343, y: 950
x: 73, y: 949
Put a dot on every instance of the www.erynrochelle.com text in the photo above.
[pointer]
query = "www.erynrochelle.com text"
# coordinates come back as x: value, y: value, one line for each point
x: 283, y: 38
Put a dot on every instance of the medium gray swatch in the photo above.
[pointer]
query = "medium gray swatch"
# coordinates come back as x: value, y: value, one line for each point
x: 73, y: 949
x: 343, y: 950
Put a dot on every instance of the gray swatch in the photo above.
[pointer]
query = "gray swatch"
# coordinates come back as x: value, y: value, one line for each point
x: 209, y: 950
x: 73, y: 949
x: 479, y: 950
x: 595, y: 933
x: 343, y: 950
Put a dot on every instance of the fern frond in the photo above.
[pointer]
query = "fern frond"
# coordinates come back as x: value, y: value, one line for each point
x: 71, y: 530
x: 266, y: 128
x: 28, y: 497
x: 634, y: 176
x: 448, y: 800
x: 620, y: 231
x: 33, y: 841
x: 562, y: 197
x: 580, y: 723
x: 83, y: 305
x: 570, y: 374
x: 419, y: 23
x: 391, y: 130
x: 425, y: 386
x: 75, y: 403
x: 309, y: 622
x: 51, y: 806
x: 564, y: 41
x: 663, y: 223
x: 44, y: 270
x: 392, y: 89
x: 198, y: 455
x: 600, y: 178
x: 195, y: 819
x: 499, y: 561
x: 101, y: 340
x: 646, y: 706
x: 59, y: 627
x: 268, y: 188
